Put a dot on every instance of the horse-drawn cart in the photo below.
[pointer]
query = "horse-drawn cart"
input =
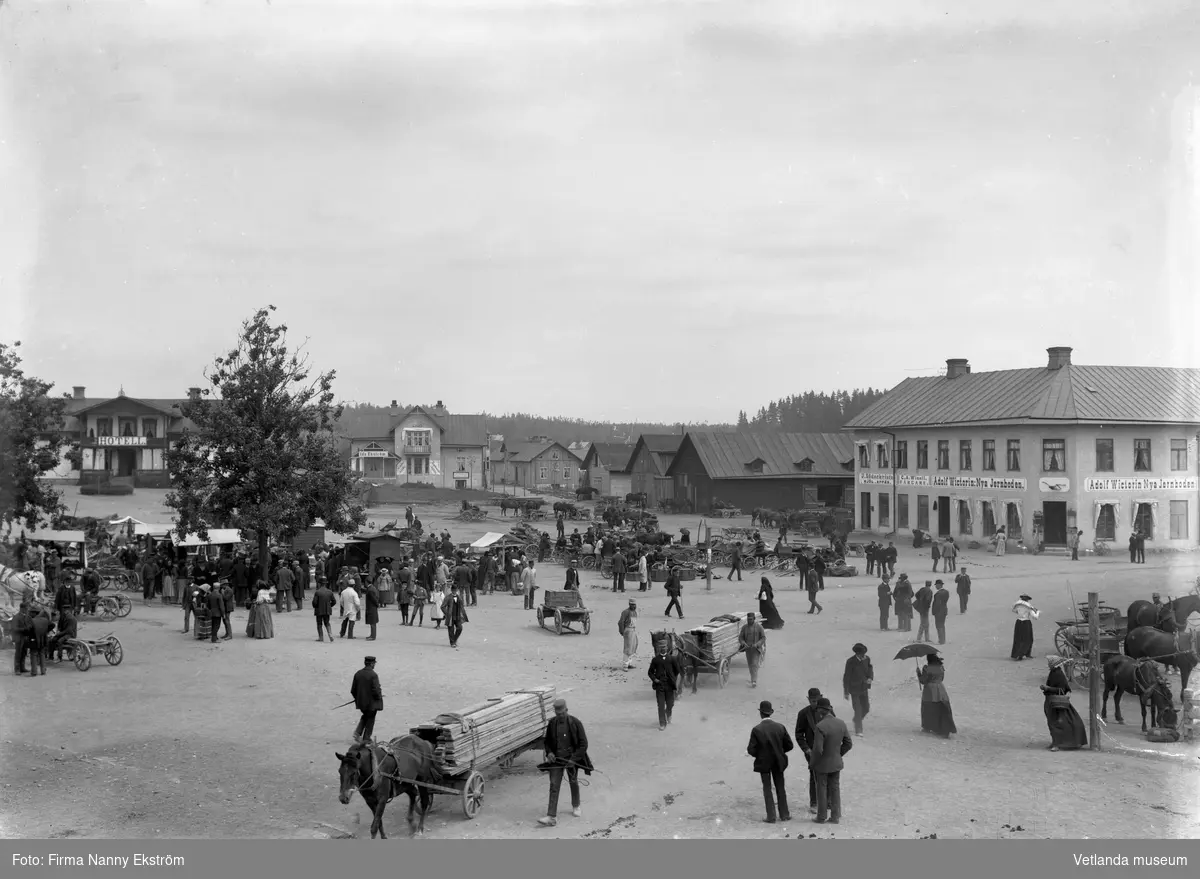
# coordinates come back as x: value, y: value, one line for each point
x: 709, y: 649
x: 565, y: 608
x: 1072, y: 637
x: 495, y: 732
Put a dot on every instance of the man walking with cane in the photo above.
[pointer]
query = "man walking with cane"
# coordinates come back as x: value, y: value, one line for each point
x: 565, y: 745
x: 368, y: 698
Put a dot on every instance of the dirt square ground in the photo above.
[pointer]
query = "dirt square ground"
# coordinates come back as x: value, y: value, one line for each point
x: 185, y: 739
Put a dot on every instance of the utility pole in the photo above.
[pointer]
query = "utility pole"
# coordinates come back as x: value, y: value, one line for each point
x: 1094, y: 696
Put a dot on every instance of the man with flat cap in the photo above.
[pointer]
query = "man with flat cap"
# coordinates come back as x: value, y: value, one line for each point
x: 627, y: 629
x: 856, y: 684
x: 368, y: 698
x: 769, y: 744
x: 565, y: 745
x: 753, y: 640
x: 806, y: 724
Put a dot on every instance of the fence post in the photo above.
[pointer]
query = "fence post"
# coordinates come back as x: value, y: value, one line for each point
x: 1094, y: 678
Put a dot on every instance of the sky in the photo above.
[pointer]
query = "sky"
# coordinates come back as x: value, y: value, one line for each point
x: 659, y: 211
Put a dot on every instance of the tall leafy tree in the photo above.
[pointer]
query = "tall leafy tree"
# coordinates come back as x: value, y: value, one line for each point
x: 265, y: 454
x: 32, y: 443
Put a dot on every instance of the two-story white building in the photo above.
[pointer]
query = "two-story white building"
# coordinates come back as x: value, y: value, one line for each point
x: 1105, y: 450
x: 426, y: 444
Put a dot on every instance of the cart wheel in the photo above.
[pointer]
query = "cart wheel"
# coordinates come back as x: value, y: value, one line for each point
x: 472, y: 795
x: 108, y: 609
x: 723, y: 671
x: 588, y: 563
x: 1083, y: 670
x: 558, y: 621
x: 124, y: 605
x: 1063, y: 642
x: 587, y: 624
x: 114, y: 654
x: 83, y: 656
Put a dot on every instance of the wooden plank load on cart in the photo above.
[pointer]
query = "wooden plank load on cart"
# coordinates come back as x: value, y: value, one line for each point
x: 1072, y: 637
x: 710, y: 648
x: 493, y: 732
x: 565, y: 608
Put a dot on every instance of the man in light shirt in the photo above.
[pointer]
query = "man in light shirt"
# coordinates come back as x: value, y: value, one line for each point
x: 349, y: 603
x: 643, y: 573
x: 529, y: 584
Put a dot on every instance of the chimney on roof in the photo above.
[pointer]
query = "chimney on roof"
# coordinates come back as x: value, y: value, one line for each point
x: 193, y: 393
x: 957, y: 366
x: 439, y: 405
x: 80, y: 392
x: 1058, y: 357
x: 395, y: 410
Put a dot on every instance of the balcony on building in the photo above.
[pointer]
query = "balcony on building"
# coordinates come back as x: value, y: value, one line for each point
x: 416, y: 450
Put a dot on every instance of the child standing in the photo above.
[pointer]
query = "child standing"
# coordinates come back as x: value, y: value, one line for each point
x: 420, y: 595
x: 435, y: 612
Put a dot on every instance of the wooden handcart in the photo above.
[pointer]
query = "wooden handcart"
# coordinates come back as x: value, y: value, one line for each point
x: 1072, y: 637
x: 82, y: 650
x: 565, y: 608
x: 495, y: 732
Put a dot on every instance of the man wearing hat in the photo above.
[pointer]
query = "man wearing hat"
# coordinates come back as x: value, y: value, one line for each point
x: 856, y: 685
x: 368, y: 698
x: 664, y: 674
x: 769, y: 744
x: 831, y: 742
x: 565, y: 747
x: 753, y: 640
x: 962, y: 584
x: 454, y: 610
x: 627, y: 629
x: 940, y: 607
x: 806, y: 725
x: 323, y: 603
x: 921, y: 604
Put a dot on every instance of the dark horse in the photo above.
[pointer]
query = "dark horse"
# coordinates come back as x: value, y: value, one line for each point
x: 1141, y: 679
x: 1177, y: 649
x: 382, y: 772
x: 1144, y: 613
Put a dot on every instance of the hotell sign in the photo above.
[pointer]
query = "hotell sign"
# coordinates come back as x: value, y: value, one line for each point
x: 121, y: 440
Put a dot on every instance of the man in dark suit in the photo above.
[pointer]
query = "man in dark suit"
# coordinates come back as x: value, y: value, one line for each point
x: 565, y: 746
x: 769, y: 744
x: 856, y: 685
x: 240, y: 577
x: 940, y: 607
x: 618, y: 569
x: 67, y: 597
x: 664, y: 673
x: 323, y: 603
x: 831, y: 742
x: 806, y: 724
x: 455, y: 612
x: 368, y: 698
x: 216, y: 612
x: 921, y: 604
x: 885, y: 603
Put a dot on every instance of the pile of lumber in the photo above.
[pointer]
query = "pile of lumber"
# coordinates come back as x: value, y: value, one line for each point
x: 483, y: 733
x: 717, y: 639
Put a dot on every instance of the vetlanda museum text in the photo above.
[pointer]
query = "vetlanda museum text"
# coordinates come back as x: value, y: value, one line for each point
x: 1123, y: 861
x: 136, y: 860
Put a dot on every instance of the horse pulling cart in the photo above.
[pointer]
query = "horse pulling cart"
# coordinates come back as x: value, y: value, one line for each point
x: 565, y: 608
x: 1072, y: 638
x: 707, y: 649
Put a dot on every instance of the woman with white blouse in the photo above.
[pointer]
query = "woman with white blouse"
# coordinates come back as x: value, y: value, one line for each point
x: 260, y: 625
x: 1023, y: 628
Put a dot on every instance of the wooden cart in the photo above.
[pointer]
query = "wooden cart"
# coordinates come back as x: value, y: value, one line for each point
x: 703, y: 654
x: 81, y: 651
x: 1072, y: 637
x: 565, y: 608
x: 466, y: 781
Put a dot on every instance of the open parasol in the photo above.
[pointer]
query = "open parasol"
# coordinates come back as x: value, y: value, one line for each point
x: 913, y: 651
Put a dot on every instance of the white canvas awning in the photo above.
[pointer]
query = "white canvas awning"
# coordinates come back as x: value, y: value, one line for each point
x: 216, y: 536
x: 151, y: 530
x: 487, y: 540
x: 56, y: 536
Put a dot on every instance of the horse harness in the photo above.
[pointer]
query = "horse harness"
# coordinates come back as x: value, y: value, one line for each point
x: 377, y: 773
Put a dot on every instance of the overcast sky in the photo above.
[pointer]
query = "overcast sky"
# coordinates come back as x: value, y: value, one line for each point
x: 612, y: 210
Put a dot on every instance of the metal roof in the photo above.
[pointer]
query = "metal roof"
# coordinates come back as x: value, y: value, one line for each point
x: 464, y: 430
x: 725, y: 455
x: 1107, y: 394
x: 521, y: 453
x: 668, y: 443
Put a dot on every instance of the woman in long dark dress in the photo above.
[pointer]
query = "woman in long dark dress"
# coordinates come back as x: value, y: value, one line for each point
x: 1023, y: 628
x: 770, y: 617
x: 936, y: 714
x: 1067, y: 731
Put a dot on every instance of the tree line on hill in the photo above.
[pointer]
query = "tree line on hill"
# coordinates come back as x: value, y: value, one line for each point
x: 810, y: 412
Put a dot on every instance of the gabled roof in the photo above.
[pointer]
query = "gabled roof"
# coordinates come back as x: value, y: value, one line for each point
x: 726, y: 455
x: 456, y: 430
x: 1105, y: 394
x: 662, y: 442
x: 613, y: 457
x: 77, y: 408
x: 521, y: 453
